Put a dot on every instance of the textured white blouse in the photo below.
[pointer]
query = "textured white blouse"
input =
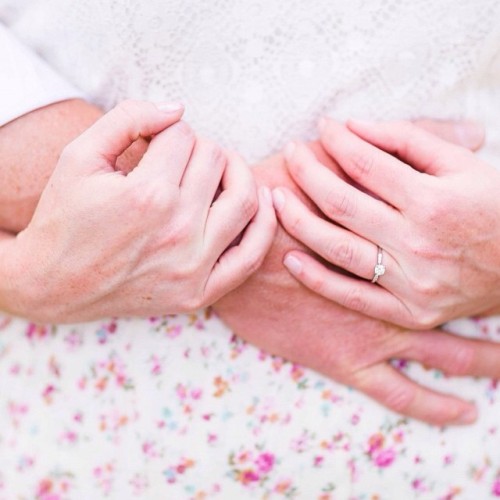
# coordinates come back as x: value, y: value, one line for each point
x: 256, y: 73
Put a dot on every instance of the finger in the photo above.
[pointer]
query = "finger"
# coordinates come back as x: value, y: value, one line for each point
x: 361, y: 296
x: 167, y: 156
x: 239, y: 262
x: 454, y: 355
x: 377, y: 171
x: 389, y: 387
x: 234, y: 208
x: 203, y: 177
x: 419, y: 148
x: 334, y: 243
x: 339, y: 201
x: 112, y: 134
x: 466, y: 133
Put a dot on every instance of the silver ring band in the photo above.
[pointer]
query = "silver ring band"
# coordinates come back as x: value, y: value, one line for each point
x: 379, y: 269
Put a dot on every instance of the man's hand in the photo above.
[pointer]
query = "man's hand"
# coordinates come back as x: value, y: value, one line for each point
x: 276, y: 313
x: 154, y: 241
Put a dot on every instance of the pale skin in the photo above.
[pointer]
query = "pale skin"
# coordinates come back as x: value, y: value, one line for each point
x: 154, y: 239
x: 442, y: 256
x: 274, y: 311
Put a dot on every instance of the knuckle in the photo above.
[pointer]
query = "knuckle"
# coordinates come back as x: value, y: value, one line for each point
x: 341, y: 253
x: 148, y: 198
x: 179, y: 232
x: 353, y: 299
x: 339, y: 205
x: 463, y: 360
x: 216, y: 154
x: 294, y: 223
x: 400, y: 399
x: 361, y: 165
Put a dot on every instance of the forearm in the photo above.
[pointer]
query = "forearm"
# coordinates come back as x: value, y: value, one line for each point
x: 29, y: 149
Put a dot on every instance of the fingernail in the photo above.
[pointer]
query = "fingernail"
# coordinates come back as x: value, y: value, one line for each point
x: 278, y: 199
x: 469, y: 416
x: 469, y: 133
x: 170, y: 107
x: 265, y: 195
x: 289, y: 150
x: 293, y: 264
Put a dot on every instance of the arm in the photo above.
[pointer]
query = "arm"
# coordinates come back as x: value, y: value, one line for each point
x: 153, y: 241
x: 29, y: 149
x: 278, y: 314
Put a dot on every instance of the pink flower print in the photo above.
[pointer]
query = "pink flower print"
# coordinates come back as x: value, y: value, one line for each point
x: 384, y: 458
x: 54, y: 367
x: 17, y: 410
x: 139, y: 484
x: 149, y: 449
x: 221, y: 387
x: 318, y: 461
x: 48, y: 393
x: 196, y: 393
x: 375, y: 442
x: 265, y: 462
x: 105, y: 331
x: 104, y: 477
x: 25, y: 462
x: 418, y: 485
x: 69, y: 437
x: 34, y: 331
x: 45, y: 490
x: 297, y: 373
x: 495, y: 490
x: 156, y: 368
x: 284, y: 486
x: 112, y: 368
x: 53, y: 488
x: 249, y: 476
x: 15, y: 369
x: 454, y: 491
x: 174, y: 331
x: 73, y: 340
x: 172, y: 472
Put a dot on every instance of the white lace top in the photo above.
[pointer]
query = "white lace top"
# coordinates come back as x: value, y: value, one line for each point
x: 256, y: 73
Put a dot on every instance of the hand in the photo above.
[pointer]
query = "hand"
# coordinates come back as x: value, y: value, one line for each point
x: 154, y: 241
x: 432, y: 207
x: 278, y: 314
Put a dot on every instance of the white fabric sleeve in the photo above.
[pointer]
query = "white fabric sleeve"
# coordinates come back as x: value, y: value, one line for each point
x: 26, y: 81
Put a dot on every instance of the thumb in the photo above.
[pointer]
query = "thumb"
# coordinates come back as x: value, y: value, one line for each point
x: 114, y: 132
x: 466, y: 133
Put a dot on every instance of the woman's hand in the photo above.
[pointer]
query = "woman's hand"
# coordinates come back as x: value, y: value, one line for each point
x: 432, y: 207
x: 275, y: 312
x: 154, y: 241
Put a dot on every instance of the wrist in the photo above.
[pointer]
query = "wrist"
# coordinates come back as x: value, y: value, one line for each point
x: 12, y: 299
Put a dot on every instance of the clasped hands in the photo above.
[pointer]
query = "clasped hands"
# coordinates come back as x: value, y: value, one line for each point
x: 156, y: 240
